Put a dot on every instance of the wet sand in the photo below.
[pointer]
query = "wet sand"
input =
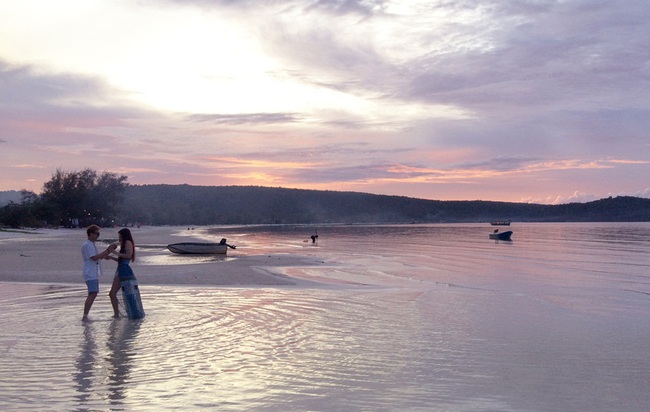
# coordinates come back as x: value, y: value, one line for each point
x: 53, y: 256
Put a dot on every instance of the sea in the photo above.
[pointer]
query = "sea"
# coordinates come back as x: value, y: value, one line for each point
x: 414, y: 317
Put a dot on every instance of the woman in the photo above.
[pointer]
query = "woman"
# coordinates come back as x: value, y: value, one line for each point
x: 125, y: 279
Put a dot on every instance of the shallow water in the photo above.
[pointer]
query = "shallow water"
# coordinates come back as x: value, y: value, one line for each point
x: 431, y: 317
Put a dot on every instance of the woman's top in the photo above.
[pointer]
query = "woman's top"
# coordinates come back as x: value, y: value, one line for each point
x: 124, y: 270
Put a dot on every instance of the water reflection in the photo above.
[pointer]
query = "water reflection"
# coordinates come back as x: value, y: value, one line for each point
x: 168, y: 259
x: 122, y: 334
x: 85, y: 364
x: 103, y: 373
x: 451, y: 322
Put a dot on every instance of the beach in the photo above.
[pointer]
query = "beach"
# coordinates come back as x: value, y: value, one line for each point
x: 369, y: 317
x: 53, y: 256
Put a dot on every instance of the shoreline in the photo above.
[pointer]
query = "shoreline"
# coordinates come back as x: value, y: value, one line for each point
x: 52, y: 256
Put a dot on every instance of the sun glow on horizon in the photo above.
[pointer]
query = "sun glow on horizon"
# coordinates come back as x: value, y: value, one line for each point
x: 442, y: 99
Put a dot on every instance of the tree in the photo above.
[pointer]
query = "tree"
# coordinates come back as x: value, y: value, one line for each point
x: 81, y: 198
x: 20, y: 214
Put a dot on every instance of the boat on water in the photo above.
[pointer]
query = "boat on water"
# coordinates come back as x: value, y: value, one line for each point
x: 200, y: 248
x: 500, y: 223
x: 501, y: 235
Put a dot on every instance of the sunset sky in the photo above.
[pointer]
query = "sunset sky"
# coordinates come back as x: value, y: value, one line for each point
x: 511, y: 100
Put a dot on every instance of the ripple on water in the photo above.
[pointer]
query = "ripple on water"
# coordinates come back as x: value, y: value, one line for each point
x: 230, y: 348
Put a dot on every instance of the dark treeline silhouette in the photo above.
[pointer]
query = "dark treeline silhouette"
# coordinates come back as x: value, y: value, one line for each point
x: 231, y: 205
x: 70, y: 199
x: 205, y: 205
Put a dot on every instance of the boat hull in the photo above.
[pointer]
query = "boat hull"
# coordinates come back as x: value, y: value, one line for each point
x: 503, y: 223
x: 195, y: 248
x: 501, y: 235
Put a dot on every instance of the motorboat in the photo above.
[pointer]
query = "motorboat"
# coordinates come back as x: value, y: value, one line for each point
x: 501, y: 235
x: 201, y: 248
x: 500, y: 223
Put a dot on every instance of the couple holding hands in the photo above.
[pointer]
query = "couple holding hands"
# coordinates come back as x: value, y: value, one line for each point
x: 124, y: 277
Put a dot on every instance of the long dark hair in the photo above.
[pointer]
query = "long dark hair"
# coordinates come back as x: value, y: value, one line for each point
x: 126, y: 235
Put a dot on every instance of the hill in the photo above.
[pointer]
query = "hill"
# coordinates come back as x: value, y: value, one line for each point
x: 204, y: 205
x: 10, y: 196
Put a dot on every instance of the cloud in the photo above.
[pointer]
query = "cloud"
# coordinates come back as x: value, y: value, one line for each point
x: 246, y: 118
x: 25, y: 85
x: 39, y: 100
x: 517, y: 99
x: 336, y: 7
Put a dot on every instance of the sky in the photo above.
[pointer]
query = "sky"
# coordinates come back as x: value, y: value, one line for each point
x: 534, y: 101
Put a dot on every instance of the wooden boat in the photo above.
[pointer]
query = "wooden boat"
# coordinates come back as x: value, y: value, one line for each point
x: 500, y: 223
x: 198, y: 248
x: 501, y: 235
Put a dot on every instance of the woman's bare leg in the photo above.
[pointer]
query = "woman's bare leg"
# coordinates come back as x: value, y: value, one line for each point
x: 113, y: 295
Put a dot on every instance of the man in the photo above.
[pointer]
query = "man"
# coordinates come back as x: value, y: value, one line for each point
x: 91, y: 268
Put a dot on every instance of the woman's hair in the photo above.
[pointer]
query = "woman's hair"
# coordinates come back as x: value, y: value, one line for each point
x: 126, y: 235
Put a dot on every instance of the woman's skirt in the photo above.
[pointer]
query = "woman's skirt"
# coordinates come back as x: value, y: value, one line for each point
x: 130, y: 292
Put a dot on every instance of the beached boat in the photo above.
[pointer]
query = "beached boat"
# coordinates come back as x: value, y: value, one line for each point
x: 500, y: 223
x: 501, y: 235
x: 198, y: 248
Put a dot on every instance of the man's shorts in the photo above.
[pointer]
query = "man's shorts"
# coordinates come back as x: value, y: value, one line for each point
x: 93, y: 285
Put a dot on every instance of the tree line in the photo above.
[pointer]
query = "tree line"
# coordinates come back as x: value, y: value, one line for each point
x: 80, y: 198
x: 69, y: 199
x: 228, y: 205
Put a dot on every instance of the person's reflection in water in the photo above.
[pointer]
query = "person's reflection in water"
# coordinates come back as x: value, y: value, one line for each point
x: 121, y: 336
x: 85, y: 366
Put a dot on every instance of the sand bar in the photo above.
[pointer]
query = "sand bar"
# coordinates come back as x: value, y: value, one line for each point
x: 53, y: 256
